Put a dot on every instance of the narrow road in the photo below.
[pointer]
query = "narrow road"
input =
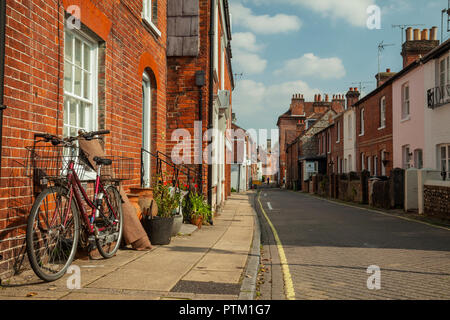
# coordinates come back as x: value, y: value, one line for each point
x: 329, y: 247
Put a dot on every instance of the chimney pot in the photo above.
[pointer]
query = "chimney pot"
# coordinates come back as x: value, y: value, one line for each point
x: 425, y: 34
x: 433, y: 33
x: 388, y: 70
x: 409, y: 34
x: 351, y: 89
x: 416, y: 34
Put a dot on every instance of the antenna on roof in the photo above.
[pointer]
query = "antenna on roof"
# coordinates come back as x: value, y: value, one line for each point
x: 402, y: 27
x: 238, y: 76
x: 361, y: 85
x: 381, y: 47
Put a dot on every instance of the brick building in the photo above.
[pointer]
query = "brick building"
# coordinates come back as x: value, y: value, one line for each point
x: 78, y: 64
x: 374, y: 131
x: 300, y: 116
x: 307, y: 154
x: 374, y: 112
x: 199, y: 86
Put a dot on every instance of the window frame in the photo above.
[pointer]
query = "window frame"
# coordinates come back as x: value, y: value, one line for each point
x: 382, y: 113
x: 441, y: 159
x: 383, y: 167
x: 362, y: 124
x: 362, y: 159
x: 338, y: 133
x: 406, y: 111
x: 406, y: 159
x: 93, y: 84
x: 147, y: 16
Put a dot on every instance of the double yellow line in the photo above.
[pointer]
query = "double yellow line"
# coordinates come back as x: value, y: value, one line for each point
x: 288, y: 284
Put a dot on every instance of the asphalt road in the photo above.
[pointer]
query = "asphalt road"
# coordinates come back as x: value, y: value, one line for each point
x: 329, y: 248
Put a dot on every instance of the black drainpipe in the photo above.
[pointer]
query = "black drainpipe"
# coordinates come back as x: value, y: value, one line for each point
x: 211, y: 88
x: 2, y: 71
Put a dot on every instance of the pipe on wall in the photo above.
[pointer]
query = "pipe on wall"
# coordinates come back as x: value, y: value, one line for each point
x: 211, y: 87
x: 2, y: 71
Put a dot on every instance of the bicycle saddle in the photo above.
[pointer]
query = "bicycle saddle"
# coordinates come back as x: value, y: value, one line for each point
x: 102, y: 161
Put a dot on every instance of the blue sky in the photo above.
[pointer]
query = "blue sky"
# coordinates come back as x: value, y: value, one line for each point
x: 284, y: 47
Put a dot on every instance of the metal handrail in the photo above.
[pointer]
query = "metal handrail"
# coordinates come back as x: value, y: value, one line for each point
x: 177, y: 169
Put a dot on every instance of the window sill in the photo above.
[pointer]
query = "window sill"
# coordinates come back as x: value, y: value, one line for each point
x: 361, y: 134
x: 405, y: 119
x: 381, y: 128
x: 151, y: 26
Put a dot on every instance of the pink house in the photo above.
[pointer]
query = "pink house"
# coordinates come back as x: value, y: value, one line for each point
x: 408, y: 118
x: 409, y: 100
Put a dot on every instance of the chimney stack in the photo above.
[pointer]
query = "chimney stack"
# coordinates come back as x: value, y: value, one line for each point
x: 418, y: 44
x: 382, y: 77
x: 297, y: 104
x: 352, y: 97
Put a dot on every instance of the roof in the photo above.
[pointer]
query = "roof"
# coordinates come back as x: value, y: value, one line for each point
x: 436, y: 52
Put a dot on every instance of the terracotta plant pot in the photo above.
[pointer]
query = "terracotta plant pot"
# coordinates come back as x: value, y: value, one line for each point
x: 197, y: 221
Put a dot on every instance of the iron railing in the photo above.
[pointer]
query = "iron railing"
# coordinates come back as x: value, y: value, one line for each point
x: 178, y: 172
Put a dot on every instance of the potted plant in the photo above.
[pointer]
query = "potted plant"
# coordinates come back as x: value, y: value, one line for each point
x: 178, y: 217
x: 159, y: 228
x: 200, y: 212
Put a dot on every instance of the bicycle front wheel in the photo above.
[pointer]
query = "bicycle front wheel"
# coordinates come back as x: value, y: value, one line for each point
x: 52, y: 233
x: 110, y: 223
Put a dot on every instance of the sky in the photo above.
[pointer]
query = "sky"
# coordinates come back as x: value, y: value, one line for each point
x: 286, y: 47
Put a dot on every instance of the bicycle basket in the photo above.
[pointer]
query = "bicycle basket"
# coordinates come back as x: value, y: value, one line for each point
x: 50, y: 163
x: 120, y: 170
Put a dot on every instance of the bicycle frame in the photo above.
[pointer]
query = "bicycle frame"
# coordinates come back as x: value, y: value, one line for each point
x: 74, y: 190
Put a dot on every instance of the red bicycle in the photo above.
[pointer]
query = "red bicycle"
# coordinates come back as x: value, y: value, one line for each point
x: 59, y: 218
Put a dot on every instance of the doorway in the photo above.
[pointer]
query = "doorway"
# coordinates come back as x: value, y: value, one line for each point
x: 146, y: 130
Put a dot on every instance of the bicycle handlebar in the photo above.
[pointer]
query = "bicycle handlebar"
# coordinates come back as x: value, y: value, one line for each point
x: 55, y: 140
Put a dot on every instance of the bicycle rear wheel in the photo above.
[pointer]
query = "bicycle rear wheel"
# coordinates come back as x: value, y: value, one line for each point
x: 52, y: 233
x: 111, y: 223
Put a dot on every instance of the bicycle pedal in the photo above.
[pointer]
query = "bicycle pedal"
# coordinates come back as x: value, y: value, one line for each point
x: 92, y: 246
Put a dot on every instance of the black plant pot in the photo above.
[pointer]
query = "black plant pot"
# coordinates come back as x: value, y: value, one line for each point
x: 159, y: 230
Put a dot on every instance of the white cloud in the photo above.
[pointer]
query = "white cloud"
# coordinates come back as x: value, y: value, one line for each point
x: 309, y: 65
x: 246, y: 41
x: 249, y: 63
x: 264, y: 24
x: 252, y: 99
x: 352, y: 11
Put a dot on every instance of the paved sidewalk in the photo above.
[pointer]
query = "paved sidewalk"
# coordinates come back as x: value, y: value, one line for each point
x: 208, y: 264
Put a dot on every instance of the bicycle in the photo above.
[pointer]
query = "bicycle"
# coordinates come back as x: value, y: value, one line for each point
x: 58, y: 220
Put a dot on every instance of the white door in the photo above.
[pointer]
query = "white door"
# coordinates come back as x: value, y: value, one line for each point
x: 146, y: 130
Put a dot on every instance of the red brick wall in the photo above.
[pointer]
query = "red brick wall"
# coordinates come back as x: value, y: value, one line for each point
x: 183, y: 94
x: 34, y: 72
x: 374, y: 140
x: 337, y: 148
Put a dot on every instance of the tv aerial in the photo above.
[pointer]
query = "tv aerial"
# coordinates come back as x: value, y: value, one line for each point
x: 381, y: 47
x: 402, y: 28
x: 361, y: 85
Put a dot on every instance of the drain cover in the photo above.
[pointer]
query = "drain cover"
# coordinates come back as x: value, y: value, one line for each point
x: 200, y: 287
